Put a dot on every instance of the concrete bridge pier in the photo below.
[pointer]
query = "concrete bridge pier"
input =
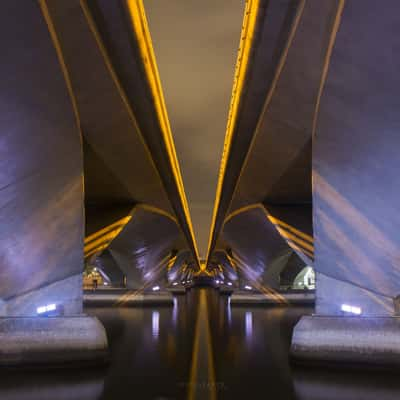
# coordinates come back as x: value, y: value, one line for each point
x: 355, y: 195
x: 41, y: 202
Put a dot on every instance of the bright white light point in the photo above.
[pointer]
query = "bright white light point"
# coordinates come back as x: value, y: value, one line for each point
x: 155, y: 288
x: 175, y: 283
x: 43, y: 309
x: 247, y: 287
x: 351, y: 309
x: 229, y: 283
x: 217, y: 282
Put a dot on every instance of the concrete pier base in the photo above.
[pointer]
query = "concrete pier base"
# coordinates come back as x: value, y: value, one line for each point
x: 126, y: 298
x: 353, y: 340
x: 253, y: 299
x: 176, y: 289
x: 51, y: 340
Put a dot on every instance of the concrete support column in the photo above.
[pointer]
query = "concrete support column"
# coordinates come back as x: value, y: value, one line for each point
x: 41, y: 202
x: 355, y: 194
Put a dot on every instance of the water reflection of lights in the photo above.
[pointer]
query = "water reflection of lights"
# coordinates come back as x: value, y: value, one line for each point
x: 175, y: 312
x: 229, y: 312
x: 249, y: 324
x: 155, y: 324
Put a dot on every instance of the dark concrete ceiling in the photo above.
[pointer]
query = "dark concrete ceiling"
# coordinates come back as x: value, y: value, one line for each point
x: 196, y: 44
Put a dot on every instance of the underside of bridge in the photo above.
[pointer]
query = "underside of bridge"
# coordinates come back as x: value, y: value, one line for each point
x: 102, y: 176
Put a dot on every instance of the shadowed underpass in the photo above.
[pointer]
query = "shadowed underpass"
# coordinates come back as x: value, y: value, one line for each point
x: 175, y: 224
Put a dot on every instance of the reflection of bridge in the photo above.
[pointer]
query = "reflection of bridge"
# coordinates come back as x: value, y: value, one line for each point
x: 307, y: 178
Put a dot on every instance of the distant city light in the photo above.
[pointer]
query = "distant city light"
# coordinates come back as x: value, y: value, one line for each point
x: 155, y: 288
x: 247, y: 287
x: 175, y: 283
x: 105, y: 283
x: 351, y: 309
x: 217, y: 282
x: 229, y: 283
x: 44, y: 309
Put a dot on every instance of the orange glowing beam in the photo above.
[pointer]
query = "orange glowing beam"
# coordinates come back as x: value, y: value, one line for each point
x: 246, y: 39
x: 142, y: 33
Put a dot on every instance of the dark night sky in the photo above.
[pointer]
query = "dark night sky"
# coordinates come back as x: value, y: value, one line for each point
x: 195, y: 44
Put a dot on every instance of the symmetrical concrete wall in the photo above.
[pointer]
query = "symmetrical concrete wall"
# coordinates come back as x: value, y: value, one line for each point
x: 41, y: 188
x: 356, y: 163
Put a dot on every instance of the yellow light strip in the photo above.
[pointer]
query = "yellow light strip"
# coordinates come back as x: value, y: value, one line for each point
x: 156, y: 210
x: 293, y: 236
x: 242, y: 210
x: 96, y: 250
x: 295, y: 247
x: 202, y: 339
x: 246, y: 39
x: 114, y: 225
x: 107, y: 229
x: 229, y: 133
x: 140, y: 27
x: 101, y: 239
x: 287, y: 235
x: 292, y: 229
x: 171, y: 262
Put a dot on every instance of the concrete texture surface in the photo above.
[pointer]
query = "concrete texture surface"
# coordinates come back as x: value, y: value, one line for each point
x: 355, y: 158
x: 245, y: 298
x: 41, y: 184
x: 51, y: 340
x: 127, y: 298
x: 354, y: 340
